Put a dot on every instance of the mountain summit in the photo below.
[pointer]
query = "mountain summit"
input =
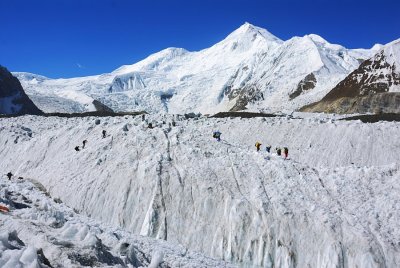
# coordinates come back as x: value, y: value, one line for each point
x: 249, y: 29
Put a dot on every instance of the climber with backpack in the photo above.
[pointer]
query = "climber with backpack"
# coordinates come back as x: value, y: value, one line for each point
x: 217, y: 135
x: 258, y: 145
x: 268, y: 148
x: 285, y: 152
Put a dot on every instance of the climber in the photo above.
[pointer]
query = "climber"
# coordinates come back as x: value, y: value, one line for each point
x: 278, y: 151
x: 84, y: 144
x: 258, y: 145
x: 9, y: 175
x: 77, y: 148
x: 150, y: 125
x: 285, y: 152
x: 217, y: 135
x: 104, y: 133
x: 268, y: 148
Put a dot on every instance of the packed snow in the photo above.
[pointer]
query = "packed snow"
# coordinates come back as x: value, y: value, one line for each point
x: 249, y: 61
x: 333, y: 203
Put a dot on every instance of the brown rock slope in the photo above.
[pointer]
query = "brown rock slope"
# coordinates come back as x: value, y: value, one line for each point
x: 372, y: 88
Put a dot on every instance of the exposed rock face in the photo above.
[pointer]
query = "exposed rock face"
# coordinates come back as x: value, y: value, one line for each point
x: 244, y: 96
x: 13, y: 99
x: 373, y: 87
x: 309, y: 82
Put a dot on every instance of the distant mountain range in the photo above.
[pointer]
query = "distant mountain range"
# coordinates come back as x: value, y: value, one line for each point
x: 250, y: 69
x: 13, y: 99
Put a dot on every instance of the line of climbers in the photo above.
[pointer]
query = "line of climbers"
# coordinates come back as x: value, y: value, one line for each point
x: 77, y: 148
x: 217, y: 135
x: 84, y: 142
x: 277, y: 149
x: 104, y: 135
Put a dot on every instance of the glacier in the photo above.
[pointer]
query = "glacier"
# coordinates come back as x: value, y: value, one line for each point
x: 43, y: 232
x: 333, y: 203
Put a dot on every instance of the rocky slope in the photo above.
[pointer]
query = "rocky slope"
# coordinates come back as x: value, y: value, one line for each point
x: 13, y: 99
x: 374, y: 87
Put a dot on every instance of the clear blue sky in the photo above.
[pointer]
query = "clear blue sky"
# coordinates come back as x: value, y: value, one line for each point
x: 61, y: 38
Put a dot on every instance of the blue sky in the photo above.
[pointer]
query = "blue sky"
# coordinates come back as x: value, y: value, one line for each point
x: 61, y: 38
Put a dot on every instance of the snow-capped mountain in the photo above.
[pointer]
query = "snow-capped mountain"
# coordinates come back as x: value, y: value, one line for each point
x: 373, y: 87
x: 13, y: 99
x: 250, y: 68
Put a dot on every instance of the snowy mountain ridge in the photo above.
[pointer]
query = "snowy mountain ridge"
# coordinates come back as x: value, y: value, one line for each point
x: 251, y: 68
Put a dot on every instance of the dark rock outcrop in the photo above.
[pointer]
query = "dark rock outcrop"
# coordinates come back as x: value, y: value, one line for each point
x: 13, y: 99
x: 100, y: 107
x: 309, y: 82
x: 244, y: 96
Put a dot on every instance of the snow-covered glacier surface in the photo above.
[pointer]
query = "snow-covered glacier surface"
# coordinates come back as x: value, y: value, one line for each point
x: 41, y: 232
x: 334, y: 203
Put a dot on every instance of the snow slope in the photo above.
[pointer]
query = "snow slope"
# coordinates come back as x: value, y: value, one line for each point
x: 39, y: 232
x: 250, y: 68
x: 334, y: 204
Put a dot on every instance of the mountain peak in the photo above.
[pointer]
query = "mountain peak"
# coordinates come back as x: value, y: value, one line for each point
x: 377, y: 47
x: 317, y: 38
x: 248, y: 28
